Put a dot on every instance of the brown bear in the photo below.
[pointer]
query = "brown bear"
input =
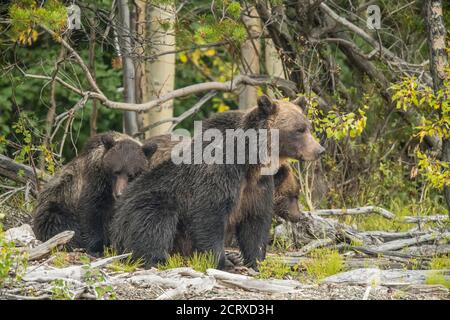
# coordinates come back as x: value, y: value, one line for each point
x: 287, y: 187
x: 81, y: 196
x: 250, y: 210
x: 196, y: 199
x: 295, y: 141
x: 287, y: 190
x: 286, y: 193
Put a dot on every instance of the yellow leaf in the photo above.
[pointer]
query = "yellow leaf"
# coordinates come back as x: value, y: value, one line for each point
x: 210, y: 52
x: 183, y: 57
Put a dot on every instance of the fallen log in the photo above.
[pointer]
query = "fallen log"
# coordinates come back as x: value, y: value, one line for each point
x: 45, y: 248
x: 389, y: 236
x: 418, y: 219
x: 72, y: 273
x: 252, y: 284
x: 389, y: 278
x: 354, y: 211
x: 402, y: 243
x: 20, y: 172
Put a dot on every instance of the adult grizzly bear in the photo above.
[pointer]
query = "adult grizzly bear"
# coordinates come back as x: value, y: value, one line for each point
x: 81, y: 196
x: 175, y: 197
x: 287, y: 187
x: 257, y: 195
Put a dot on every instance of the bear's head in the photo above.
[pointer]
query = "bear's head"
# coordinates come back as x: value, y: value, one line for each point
x: 124, y: 160
x: 296, y: 140
x: 287, y: 190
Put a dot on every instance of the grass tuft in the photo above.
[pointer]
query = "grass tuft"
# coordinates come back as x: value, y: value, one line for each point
x: 273, y: 267
x: 124, y: 265
x: 324, y: 262
x: 199, y: 261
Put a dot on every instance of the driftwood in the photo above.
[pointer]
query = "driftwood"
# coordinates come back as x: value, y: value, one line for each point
x: 428, y: 250
x: 45, y: 248
x: 402, y: 243
x: 389, y: 236
x: 72, y: 273
x: 10, y: 169
x: 251, y: 284
x: 22, y: 236
x: 176, y: 283
x: 354, y: 211
x: 418, y: 219
x: 389, y: 278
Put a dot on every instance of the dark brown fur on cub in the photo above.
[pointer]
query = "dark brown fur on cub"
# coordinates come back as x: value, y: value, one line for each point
x: 81, y: 195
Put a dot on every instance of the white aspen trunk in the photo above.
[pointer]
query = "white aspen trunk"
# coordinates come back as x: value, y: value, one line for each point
x: 250, y: 51
x: 129, y: 117
x: 272, y: 61
x: 160, y: 74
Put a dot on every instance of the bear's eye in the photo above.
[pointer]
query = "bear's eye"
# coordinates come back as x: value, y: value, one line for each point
x: 301, y: 129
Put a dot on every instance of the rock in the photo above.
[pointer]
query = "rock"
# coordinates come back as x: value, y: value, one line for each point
x: 22, y: 236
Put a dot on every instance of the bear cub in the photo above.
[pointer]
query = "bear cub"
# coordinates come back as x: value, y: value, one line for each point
x: 80, y: 197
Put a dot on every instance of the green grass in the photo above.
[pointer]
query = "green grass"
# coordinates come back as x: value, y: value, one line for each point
x: 273, y: 267
x: 199, y: 261
x: 323, y: 262
x: 60, y: 259
x: 438, y: 278
x: 172, y: 262
x: 124, y: 265
x: 438, y: 263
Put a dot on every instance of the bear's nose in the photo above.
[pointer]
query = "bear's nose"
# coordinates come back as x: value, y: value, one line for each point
x: 320, y: 151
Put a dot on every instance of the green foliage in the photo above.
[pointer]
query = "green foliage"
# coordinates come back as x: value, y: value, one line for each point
x: 273, y: 267
x: 337, y: 125
x: 199, y: 261
x: 438, y: 278
x: 125, y: 265
x: 26, y: 15
x: 173, y: 261
x: 61, y: 290
x: 95, y: 278
x: 60, y: 259
x: 435, y: 110
x: 438, y: 263
x: 323, y: 262
x: 13, y: 262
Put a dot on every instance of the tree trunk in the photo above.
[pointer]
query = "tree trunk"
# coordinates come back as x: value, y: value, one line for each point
x: 274, y: 66
x: 159, y: 74
x: 250, y: 51
x: 124, y: 31
x: 142, y: 94
x: 439, y: 62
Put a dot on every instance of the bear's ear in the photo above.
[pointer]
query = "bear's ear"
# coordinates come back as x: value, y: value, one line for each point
x: 281, y: 175
x: 149, y: 149
x: 108, y: 141
x: 301, y: 102
x: 266, y: 105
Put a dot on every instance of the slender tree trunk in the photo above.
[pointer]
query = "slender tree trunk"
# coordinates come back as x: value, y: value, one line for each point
x: 159, y: 74
x: 94, y: 113
x: 142, y: 91
x: 273, y: 64
x: 250, y: 51
x: 439, y: 62
x: 124, y: 31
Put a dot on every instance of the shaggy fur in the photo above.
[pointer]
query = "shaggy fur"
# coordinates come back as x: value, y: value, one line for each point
x: 257, y: 192
x: 81, y: 196
x: 194, y: 199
